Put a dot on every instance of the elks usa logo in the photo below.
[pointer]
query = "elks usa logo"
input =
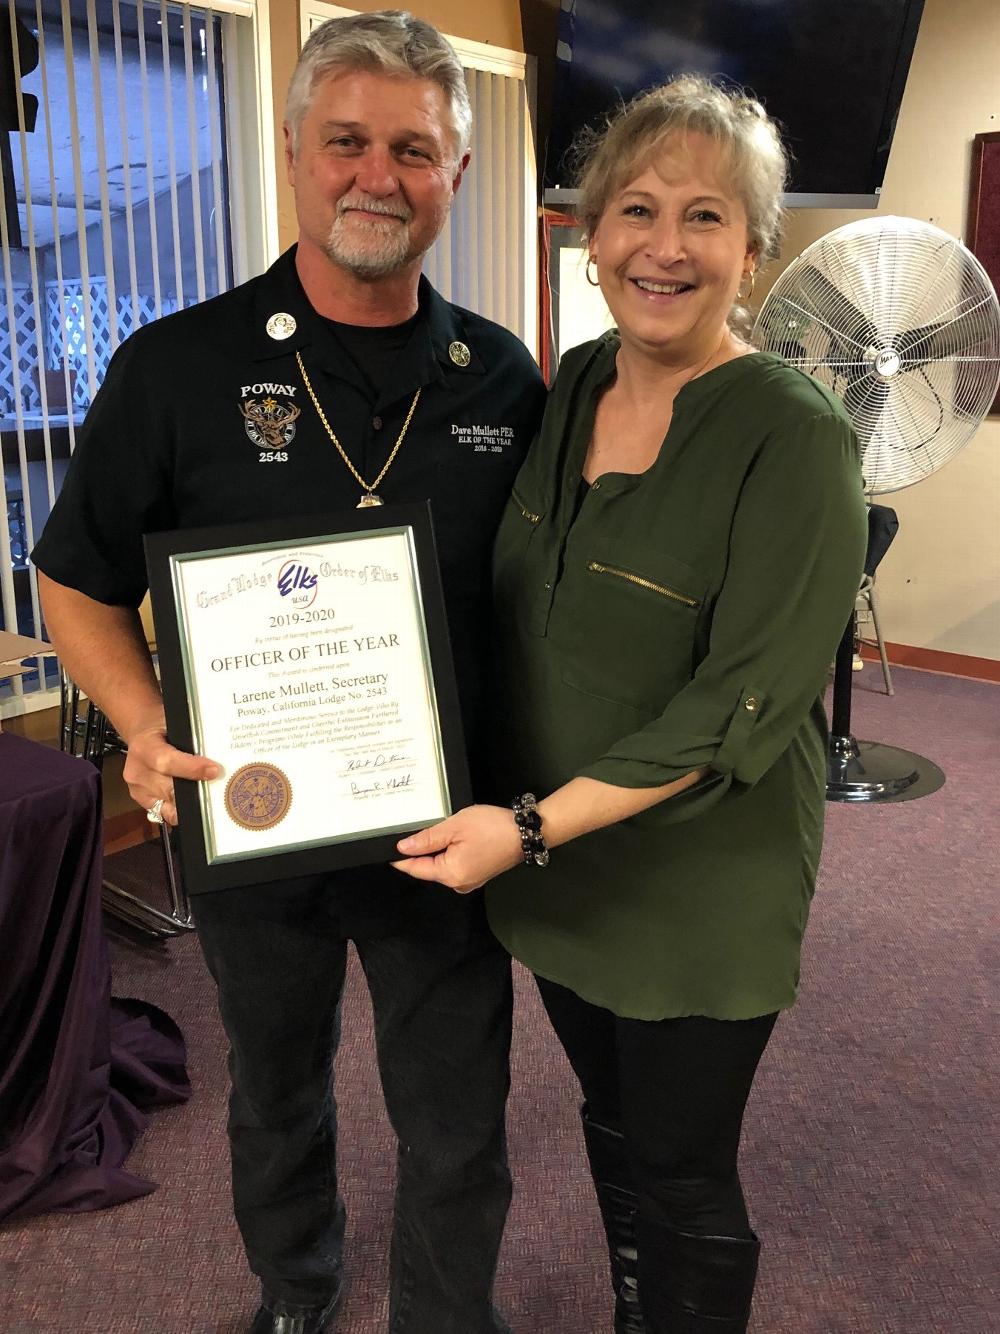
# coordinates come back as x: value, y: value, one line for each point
x: 269, y: 423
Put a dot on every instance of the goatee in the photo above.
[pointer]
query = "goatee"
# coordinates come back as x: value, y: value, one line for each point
x: 368, y: 247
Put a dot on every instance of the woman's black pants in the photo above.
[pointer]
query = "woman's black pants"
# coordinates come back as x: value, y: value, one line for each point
x: 664, y: 1105
x: 677, y: 1088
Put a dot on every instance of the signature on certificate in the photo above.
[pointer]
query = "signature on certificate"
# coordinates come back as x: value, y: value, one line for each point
x: 382, y: 785
x: 380, y: 760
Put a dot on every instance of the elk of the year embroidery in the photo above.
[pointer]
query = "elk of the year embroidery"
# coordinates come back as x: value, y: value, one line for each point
x: 269, y: 423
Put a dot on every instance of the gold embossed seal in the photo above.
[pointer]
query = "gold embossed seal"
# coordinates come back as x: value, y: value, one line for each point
x: 258, y: 796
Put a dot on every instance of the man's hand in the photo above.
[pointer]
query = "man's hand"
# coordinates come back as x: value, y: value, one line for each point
x: 152, y: 764
x: 464, y: 851
x: 103, y: 649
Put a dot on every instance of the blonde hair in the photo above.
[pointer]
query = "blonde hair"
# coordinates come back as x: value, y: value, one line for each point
x: 609, y: 158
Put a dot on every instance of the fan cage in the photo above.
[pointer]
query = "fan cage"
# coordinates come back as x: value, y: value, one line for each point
x: 900, y: 321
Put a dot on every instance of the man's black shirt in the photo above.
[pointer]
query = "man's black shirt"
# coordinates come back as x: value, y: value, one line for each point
x: 170, y: 441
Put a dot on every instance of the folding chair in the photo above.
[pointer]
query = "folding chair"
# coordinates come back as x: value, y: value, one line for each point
x: 88, y: 734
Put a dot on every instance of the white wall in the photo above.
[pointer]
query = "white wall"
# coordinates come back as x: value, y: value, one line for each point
x: 939, y: 585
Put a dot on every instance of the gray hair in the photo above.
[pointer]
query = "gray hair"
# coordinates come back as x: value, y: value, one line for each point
x: 608, y: 159
x: 388, y: 41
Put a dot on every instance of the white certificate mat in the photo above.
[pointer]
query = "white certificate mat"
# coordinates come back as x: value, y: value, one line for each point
x: 309, y: 679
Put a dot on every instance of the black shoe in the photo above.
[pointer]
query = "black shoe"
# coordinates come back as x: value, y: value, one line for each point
x: 279, y: 1319
x: 613, y: 1182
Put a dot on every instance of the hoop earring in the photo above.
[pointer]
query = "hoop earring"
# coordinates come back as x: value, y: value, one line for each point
x: 593, y: 281
x: 745, y: 296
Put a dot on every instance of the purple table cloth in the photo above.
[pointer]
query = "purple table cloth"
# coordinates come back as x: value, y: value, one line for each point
x: 76, y: 1067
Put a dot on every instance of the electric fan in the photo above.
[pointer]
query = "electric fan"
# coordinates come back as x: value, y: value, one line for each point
x: 901, y: 322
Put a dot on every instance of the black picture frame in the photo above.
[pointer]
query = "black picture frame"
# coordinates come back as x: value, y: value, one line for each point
x: 983, y: 223
x: 202, y: 875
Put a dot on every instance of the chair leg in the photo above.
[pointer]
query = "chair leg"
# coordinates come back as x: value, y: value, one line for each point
x: 178, y: 894
x: 74, y: 731
x: 137, y: 912
x: 88, y: 738
x: 886, y: 674
x: 67, y: 718
x: 94, y: 734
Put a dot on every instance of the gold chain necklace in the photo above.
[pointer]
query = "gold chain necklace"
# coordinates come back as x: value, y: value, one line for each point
x: 368, y: 497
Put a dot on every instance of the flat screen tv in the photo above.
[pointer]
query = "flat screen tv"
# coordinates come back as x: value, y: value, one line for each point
x: 831, y: 71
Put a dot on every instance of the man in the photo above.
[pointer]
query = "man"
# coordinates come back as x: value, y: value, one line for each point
x: 328, y: 351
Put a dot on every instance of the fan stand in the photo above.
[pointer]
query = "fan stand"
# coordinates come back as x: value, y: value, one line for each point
x: 867, y: 770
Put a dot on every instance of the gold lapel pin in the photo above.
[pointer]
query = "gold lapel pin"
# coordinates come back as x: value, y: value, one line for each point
x: 282, y: 325
x: 459, y: 354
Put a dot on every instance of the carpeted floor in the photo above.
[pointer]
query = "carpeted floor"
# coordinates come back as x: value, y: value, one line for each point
x: 871, y: 1142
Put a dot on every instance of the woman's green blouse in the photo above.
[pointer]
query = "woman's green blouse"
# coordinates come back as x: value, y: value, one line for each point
x: 681, y: 618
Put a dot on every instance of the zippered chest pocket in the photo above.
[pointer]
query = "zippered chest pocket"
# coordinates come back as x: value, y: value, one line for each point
x: 513, y: 572
x: 640, y: 581
x: 628, y: 624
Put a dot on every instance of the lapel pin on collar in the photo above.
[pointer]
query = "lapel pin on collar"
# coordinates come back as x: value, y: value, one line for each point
x: 281, y: 325
x: 459, y: 354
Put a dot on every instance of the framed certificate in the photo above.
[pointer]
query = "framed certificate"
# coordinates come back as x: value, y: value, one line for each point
x: 310, y: 658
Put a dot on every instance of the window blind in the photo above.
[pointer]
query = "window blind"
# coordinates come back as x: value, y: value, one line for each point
x: 114, y: 210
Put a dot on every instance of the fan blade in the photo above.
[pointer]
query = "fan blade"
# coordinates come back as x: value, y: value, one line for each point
x: 864, y: 400
x: 837, y: 312
x: 943, y: 338
x: 781, y: 323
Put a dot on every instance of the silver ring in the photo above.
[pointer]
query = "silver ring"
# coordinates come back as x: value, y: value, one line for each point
x: 155, y: 813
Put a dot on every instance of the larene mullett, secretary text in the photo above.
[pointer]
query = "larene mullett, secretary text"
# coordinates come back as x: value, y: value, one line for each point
x: 311, y: 687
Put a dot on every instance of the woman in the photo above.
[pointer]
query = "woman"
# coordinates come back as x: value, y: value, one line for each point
x: 673, y: 573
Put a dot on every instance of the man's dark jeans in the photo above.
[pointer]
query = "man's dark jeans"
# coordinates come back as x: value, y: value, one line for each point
x: 441, y: 996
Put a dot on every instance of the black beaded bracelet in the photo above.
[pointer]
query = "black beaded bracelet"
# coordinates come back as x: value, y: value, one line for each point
x: 529, y: 825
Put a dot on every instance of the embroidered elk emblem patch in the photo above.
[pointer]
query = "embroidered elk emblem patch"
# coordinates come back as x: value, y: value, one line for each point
x: 269, y: 424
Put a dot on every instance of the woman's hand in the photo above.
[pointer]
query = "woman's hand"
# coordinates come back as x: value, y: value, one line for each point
x: 464, y: 851
x: 469, y: 848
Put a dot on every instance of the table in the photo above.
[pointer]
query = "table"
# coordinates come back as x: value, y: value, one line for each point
x: 77, y: 1070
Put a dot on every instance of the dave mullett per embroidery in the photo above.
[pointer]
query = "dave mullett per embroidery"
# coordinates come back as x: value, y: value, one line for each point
x: 491, y: 439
